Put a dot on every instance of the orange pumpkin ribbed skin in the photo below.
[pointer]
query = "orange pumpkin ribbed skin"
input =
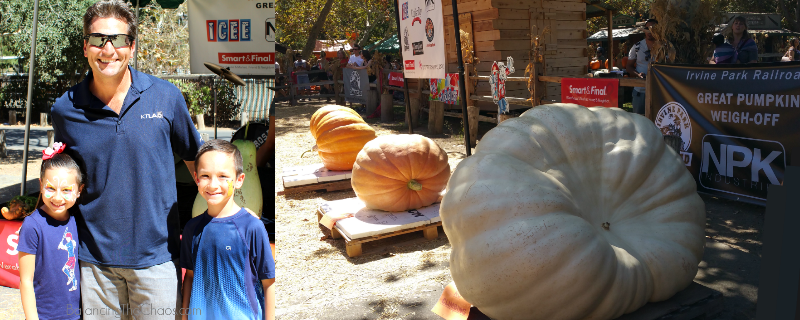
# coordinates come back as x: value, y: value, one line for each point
x: 340, y: 133
x: 385, y: 167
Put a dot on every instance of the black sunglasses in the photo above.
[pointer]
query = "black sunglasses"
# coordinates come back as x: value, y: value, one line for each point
x: 117, y: 40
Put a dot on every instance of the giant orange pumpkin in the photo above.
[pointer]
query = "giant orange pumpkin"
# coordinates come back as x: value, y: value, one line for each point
x: 340, y: 133
x: 400, y: 172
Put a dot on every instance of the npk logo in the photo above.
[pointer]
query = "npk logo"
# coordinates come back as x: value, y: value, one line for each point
x: 741, y: 166
x: 228, y: 30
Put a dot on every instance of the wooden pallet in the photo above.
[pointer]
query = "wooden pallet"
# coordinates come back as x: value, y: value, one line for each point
x: 369, y: 225
x: 314, y: 178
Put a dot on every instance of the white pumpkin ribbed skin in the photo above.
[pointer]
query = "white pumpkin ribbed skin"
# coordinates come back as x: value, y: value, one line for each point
x: 524, y: 216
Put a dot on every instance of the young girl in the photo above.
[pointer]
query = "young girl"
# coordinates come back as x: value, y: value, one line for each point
x: 49, y: 280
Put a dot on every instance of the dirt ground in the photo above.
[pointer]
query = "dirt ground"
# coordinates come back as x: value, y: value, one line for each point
x: 401, y: 278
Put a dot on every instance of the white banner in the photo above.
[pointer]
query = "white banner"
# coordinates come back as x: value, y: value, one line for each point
x: 422, y: 38
x: 239, y: 34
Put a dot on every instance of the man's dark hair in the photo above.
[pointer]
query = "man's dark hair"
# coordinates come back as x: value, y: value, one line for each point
x: 225, y: 147
x: 110, y: 9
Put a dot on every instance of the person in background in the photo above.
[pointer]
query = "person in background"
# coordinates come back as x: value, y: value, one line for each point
x: 723, y: 52
x: 793, y: 53
x: 638, y: 63
x: 301, y: 64
x: 356, y: 59
x: 745, y: 48
x: 601, y: 56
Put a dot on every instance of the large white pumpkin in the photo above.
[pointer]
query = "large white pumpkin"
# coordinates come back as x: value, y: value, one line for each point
x: 570, y: 212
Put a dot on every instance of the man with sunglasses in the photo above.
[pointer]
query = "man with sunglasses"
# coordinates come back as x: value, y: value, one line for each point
x: 356, y: 59
x: 638, y: 63
x: 122, y: 127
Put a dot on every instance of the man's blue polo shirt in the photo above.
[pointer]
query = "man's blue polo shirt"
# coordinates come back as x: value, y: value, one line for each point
x: 127, y: 159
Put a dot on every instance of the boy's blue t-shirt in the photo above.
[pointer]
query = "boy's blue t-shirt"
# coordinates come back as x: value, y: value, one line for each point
x: 230, y: 256
x: 56, y: 280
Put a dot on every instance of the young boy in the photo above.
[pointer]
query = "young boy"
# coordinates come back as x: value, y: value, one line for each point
x: 226, y: 248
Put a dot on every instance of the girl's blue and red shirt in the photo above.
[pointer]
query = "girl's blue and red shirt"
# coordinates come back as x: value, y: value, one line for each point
x: 56, y: 279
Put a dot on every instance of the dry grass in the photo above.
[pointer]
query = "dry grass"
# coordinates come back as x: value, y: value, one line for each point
x: 316, y: 274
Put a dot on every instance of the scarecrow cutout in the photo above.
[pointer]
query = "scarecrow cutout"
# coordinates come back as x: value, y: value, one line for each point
x: 498, y: 83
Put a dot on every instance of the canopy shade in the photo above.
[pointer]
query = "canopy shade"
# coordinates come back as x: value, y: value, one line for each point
x: 166, y: 4
x: 390, y: 45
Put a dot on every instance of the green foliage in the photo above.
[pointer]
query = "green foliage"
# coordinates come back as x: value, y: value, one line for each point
x: 296, y: 17
x: 163, y: 42
x: 196, y: 95
x: 59, y: 46
x: 200, y: 99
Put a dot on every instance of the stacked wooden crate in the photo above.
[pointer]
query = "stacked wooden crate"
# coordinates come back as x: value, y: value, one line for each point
x: 503, y: 28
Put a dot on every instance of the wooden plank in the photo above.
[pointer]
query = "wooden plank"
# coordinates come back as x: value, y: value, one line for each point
x: 515, y: 4
x: 571, y: 34
x: 502, y: 35
x: 571, y: 15
x: 500, y: 45
x: 520, y: 57
x: 571, y: 43
x: 327, y: 186
x: 565, y: 6
x: 570, y: 25
x: 465, y: 6
x: 566, y: 62
x: 566, y: 71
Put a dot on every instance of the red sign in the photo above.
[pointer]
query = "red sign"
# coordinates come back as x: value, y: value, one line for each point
x: 246, y: 57
x: 590, y: 92
x: 410, y: 64
x: 396, y: 79
x: 9, y: 263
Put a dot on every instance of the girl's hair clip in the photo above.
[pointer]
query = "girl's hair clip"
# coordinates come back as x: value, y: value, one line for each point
x: 50, y: 152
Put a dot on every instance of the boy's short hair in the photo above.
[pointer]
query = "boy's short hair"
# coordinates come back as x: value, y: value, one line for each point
x: 718, y: 39
x: 225, y: 147
x: 110, y: 9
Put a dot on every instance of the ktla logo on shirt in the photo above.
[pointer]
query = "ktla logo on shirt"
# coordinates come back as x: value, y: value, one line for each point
x: 228, y: 30
x: 158, y: 115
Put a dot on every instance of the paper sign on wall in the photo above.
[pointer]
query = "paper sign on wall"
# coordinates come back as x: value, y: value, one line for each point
x: 396, y: 79
x: 445, y: 90
x: 422, y: 38
x: 238, y: 34
x: 590, y: 92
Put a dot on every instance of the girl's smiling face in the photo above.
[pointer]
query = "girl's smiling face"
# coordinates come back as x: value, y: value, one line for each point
x: 60, y: 190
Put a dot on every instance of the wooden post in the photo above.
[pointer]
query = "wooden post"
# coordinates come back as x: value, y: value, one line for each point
x: 504, y: 117
x: 289, y: 67
x: 12, y: 117
x: 471, y: 109
x: 414, y: 104
x: 436, y: 117
x: 337, y: 71
x: 539, y: 88
x: 43, y: 119
x: 387, y: 106
x: 372, y: 101
x: 3, y: 150
x: 610, y: 40
x: 201, y: 122
x: 51, y: 136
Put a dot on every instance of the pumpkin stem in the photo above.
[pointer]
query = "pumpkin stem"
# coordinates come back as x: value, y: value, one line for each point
x: 414, y: 185
x: 314, y: 148
x: 606, y: 225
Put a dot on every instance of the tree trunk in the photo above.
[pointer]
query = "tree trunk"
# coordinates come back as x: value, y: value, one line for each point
x: 314, y: 33
x: 797, y: 17
x: 365, y: 37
